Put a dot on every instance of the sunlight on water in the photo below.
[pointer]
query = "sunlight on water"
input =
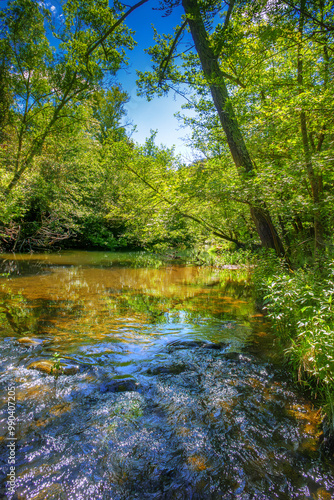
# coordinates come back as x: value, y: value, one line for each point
x: 168, y: 393
x: 84, y: 305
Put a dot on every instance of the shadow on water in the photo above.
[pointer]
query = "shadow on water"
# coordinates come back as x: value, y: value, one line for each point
x: 172, y: 389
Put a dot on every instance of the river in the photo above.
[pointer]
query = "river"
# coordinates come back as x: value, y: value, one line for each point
x: 173, y: 385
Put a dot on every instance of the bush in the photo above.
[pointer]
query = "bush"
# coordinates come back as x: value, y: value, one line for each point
x: 300, y: 306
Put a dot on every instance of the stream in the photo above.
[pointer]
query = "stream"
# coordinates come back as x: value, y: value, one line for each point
x: 173, y: 387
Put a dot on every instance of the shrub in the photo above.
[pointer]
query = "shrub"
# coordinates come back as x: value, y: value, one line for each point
x: 300, y: 306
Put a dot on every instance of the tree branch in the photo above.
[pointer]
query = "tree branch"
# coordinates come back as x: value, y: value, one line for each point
x: 216, y: 231
x: 113, y: 27
x: 304, y: 12
x: 165, y: 62
x: 227, y: 20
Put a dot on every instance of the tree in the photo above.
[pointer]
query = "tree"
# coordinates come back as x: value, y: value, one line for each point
x: 109, y: 111
x: 315, y: 179
x: 241, y: 61
x: 284, y: 108
x: 49, y: 96
x: 5, y: 96
x: 163, y: 200
x: 215, y: 79
x: 47, y: 85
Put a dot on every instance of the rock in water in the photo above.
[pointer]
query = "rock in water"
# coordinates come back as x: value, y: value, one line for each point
x: 28, y: 341
x: 174, y: 369
x: 46, y: 366
x: 214, y: 345
x: 123, y: 385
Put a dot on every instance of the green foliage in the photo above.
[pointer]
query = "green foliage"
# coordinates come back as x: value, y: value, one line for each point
x: 277, y: 74
x: 219, y: 255
x: 299, y: 305
x: 108, y: 110
x: 56, y: 367
x: 225, y: 255
x: 69, y: 172
x: 93, y: 233
x: 48, y: 85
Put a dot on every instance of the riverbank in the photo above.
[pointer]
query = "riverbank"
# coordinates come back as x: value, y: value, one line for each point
x: 299, y: 304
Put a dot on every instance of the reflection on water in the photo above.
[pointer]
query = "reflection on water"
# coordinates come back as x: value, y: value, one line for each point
x: 85, y: 305
x: 173, y: 395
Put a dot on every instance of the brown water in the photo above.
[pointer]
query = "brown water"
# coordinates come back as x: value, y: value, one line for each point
x: 177, y: 393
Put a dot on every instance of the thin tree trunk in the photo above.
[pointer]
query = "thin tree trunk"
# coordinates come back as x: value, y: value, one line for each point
x: 314, y: 179
x: 5, y: 99
x: 241, y: 157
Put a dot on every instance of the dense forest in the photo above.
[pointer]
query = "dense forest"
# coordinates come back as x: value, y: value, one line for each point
x: 257, y: 77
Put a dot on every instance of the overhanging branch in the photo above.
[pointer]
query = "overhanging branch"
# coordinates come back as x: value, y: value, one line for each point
x: 113, y: 27
x: 165, y: 62
x: 210, y: 227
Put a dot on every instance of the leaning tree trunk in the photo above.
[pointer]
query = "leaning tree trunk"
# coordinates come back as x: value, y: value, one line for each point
x: 241, y: 157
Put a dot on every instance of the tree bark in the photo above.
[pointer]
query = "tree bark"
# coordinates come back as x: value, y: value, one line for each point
x: 241, y: 157
x: 5, y: 100
x: 314, y: 179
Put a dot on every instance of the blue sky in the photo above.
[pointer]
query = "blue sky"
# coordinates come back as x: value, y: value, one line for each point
x: 158, y: 113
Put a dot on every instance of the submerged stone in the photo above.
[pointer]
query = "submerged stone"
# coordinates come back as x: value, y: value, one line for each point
x: 172, y: 369
x: 28, y: 341
x: 46, y: 365
x: 123, y: 385
x: 186, y: 344
x: 232, y: 356
x: 214, y: 345
x: 53, y: 492
x: 69, y: 369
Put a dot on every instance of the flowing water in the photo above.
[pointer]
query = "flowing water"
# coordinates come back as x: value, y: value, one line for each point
x: 172, y: 387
